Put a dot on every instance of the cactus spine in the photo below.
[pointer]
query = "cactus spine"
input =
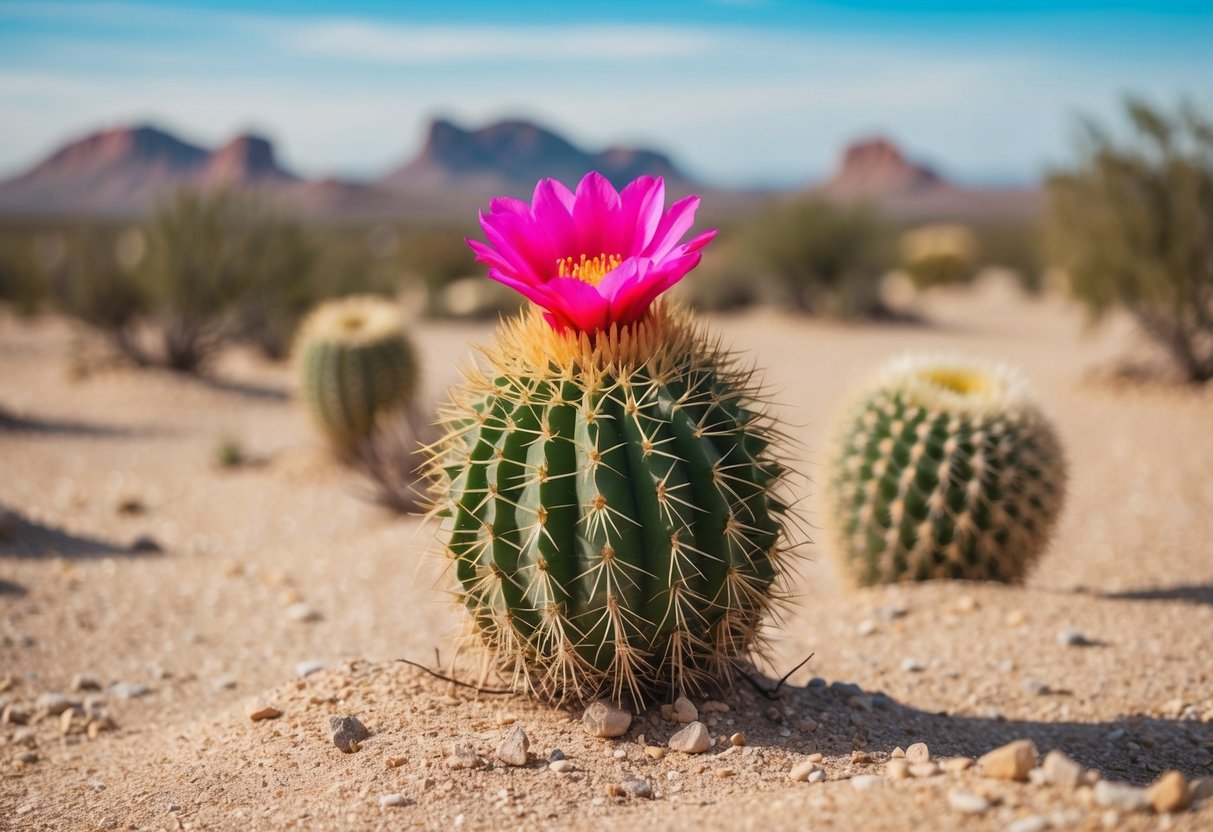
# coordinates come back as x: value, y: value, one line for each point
x: 355, y: 366
x: 944, y: 468
x: 613, y: 508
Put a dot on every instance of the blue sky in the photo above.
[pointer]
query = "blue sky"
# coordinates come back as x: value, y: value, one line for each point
x: 738, y: 91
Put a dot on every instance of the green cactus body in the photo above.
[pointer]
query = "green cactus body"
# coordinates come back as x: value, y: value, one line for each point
x: 944, y: 468
x: 355, y: 365
x: 612, y: 508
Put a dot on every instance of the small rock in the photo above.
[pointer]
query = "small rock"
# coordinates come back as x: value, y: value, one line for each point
x: 1030, y: 823
x: 556, y: 754
x: 1201, y: 788
x: 258, y: 711
x: 55, y: 703
x: 225, y: 682
x: 636, y: 787
x: 726, y: 772
x: 693, y: 739
x: 1069, y: 637
x: 897, y: 769
x: 603, y: 719
x: 395, y: 762
x: 1016, y: 618
x: 860, y: 758
x: 303, y: 611
x: 1035, y: 687
x: 305, y: 669
x: 918, y: 753
x: 712, y: 706
x: 96, y: 726
x: 1012, y: 761
x: 684, y: 711
x: 912, y: 666
x: 967, y: 802
x: 815, y: 757
x: 922, y: 770
x: 956, y: 765
x: 513, y: 748
x: 898, y: 753
x: 1170, y: 793
x: 1121, y: 796
x: 562, y: 766
x: 738, y: 739
x: 82, y: 682
x: 817, y: 776
x: 867, y: 627
x: 801, y: 771
x: 654, y: 751
x: 128, y: 690
x: 463, y: 757
x: 347, y: 732
x: 146, y: 543
x: 27, y: 737
x: 808, y: 725
x: 966, y: 604
x: 1060, y: 770
x: 864, y: 782
x: 389, y: 800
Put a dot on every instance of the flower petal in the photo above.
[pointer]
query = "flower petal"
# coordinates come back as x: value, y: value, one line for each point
x: 642, y: 201
x: 632, y: 299
x: 676, y: 222
x: 577, y: 303
x: 596, y: 199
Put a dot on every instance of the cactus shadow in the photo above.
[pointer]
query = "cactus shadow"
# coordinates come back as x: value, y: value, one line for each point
x: 246, y: 389
x: 47, y: 426
x: 12, y: 590
x: 1134, y: 748
x: 1190, y: 593
x: 25, y: 539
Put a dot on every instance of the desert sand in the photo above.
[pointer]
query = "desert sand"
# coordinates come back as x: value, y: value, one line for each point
x: 279, y: 567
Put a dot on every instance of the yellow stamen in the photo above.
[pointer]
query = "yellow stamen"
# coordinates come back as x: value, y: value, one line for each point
x: 591, y: 270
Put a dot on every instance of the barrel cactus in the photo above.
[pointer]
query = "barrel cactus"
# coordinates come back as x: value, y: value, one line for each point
x: 612, y: 507
x: 944, y: 468
x: 355, y: 365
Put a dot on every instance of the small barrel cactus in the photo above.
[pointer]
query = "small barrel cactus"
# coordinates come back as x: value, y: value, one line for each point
x: 355, y: 365
x: 610, y: 499
x: 944, y: 468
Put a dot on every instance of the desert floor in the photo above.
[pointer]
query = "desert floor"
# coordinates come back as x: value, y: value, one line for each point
x: 283, y: 562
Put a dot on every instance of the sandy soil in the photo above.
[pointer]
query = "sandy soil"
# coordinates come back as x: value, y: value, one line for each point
x: 282, y: 562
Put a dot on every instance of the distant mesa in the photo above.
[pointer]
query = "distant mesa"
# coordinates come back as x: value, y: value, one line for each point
x: 245, y: 160
x: 876, y: 171
x: 877, y: 167
x: 512, y: 154
x: 125, y: 170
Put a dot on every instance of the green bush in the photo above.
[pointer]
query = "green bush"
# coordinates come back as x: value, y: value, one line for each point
x: 821, y: 257
x: 1132, y: 225
x: 206, y: 269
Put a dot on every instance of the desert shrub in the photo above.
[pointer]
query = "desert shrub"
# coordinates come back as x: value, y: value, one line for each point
x: 436, y: 258
x: 206, y: 269
x: 824, y: 258
x: 220, y: 265
x: 90, y: 279
x: 21, y: 283
x: 1132, y: 225
x: 939, y: 254
x: 1013, y: 244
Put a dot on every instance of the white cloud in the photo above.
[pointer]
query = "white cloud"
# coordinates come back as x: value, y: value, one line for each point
x: 356, y: 40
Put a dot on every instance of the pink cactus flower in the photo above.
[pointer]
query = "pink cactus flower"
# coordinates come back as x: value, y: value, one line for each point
x: 592, y: 258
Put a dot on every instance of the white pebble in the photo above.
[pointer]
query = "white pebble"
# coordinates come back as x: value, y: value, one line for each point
x: 967, y: 802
